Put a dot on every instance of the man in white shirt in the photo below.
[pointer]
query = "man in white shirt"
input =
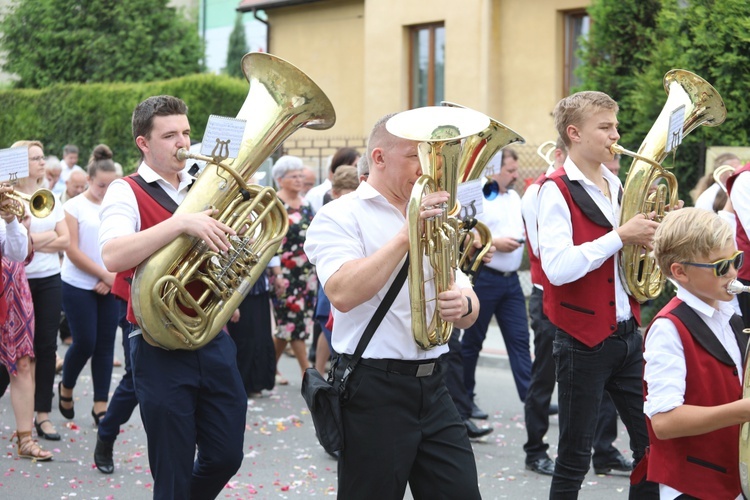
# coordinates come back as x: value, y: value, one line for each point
x: 67, y: 165
x: 400, y: 424
x: 137, y: 222
x: 497, y: 285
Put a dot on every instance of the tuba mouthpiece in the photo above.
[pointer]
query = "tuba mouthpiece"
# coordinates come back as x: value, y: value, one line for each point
x: 735, y: 287
x: 182, y: 154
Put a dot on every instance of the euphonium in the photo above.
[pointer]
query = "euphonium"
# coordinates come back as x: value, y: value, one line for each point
x: 185, y: 293
x: 546, y: 151
x: 644, y: 191
x: 477, y: 151
x: 41, y: 203
x: 439, y: 131
x: 735, y: 287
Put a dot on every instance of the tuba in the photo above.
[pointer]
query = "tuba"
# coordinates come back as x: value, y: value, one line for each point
x: 735, y: 287
x: 649, y: 186
x: 454, y: 145
x: 184, y: 294
x: 477, y: 151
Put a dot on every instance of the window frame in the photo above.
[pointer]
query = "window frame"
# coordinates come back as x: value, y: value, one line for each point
x: 431, y: 72
x: 570, y: 46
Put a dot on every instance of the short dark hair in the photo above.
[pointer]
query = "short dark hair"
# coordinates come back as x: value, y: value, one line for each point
x: 70, y: 149
x: 344, y: 156
x: 160, y: 105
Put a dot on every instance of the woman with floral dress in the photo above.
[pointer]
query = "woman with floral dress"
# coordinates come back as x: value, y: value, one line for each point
x: 294, y: 303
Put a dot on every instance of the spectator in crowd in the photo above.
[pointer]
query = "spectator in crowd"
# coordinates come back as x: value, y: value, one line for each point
x: 49, y: 236
x: 363, y: 168
x: 91, y: 310
x: 52, y: 170
x: 17, y: 327
x: 294, y: 306
x: 316, y: 195
x: 75, y: 184
x: 309, y: 182
x: 614, y: 164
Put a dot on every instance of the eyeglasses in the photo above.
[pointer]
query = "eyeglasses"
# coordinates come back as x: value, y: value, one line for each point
x: 721, y: 267
x: 36, y: 158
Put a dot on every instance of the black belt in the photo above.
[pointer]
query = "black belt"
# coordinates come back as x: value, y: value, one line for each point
x: 504, y: 274
x: 401, y: 367
x: 625, y: 327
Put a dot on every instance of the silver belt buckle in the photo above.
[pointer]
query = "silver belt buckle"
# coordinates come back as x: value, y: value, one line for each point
x: 425, y: 370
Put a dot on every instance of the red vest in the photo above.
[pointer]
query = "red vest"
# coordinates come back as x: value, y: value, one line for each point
x: 705, y: 466
x: 535, y: 265
x: 743, y: 242
x: 585, y: 308
x: 151, y: 213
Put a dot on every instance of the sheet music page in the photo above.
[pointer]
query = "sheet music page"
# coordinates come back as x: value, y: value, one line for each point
x: 468, y: 194
x: 225, y: 130
x: 676, y: 119
x: 14, y: 163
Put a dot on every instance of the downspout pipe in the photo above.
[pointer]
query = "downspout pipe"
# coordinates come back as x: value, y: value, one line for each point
x: 268, y: 28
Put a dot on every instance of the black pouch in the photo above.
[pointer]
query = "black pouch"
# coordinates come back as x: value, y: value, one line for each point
x: 323, y: 401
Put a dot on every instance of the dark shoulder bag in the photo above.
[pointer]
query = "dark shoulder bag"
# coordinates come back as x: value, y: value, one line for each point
x: 324, y: 397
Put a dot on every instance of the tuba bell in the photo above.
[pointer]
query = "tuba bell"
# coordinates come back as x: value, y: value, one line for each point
x: 184, y: 294
x: 477, y: 151
x: 649, y: 186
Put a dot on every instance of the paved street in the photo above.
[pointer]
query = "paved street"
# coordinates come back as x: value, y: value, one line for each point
x: 282, y: 457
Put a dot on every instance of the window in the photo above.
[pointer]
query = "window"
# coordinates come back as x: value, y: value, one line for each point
x: 576, y: 28
x: 427, y: 65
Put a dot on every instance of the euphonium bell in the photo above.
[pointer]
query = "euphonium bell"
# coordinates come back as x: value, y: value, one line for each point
x: 649, y: 186
x: 41, y: 203
x: 184, y: 294
x: 439, y: 131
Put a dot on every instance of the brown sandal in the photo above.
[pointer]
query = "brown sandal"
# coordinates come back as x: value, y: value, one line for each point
x: 28, y: 448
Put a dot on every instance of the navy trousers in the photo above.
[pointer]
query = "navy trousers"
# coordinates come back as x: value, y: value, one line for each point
x: 502, y: 297
x: 123, y: 401
x: 190, y: 399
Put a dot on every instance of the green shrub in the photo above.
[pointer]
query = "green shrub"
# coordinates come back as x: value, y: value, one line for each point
x: 87, y: 115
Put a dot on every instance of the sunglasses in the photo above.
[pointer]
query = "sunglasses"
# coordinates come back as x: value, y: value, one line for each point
x: 721, y: 267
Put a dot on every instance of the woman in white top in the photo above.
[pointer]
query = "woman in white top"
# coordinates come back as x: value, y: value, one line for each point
x: 48, y: 237
x: 91, y: 309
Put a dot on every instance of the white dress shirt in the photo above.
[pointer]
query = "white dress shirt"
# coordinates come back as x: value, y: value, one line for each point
x: 665, y: 370
x: 14, y: 240
x: 564, y: 262
x: 741, y: 199
x: 120, y: 215
x: 353, y: 227
x: 503, y: 218
x: 706, y: 198
x: 528, y: 211
x: 316, y: 194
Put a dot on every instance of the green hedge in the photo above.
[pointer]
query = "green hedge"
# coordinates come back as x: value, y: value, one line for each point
x: 87, y: 115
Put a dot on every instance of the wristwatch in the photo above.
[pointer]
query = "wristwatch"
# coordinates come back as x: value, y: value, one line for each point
x: 468, y: 301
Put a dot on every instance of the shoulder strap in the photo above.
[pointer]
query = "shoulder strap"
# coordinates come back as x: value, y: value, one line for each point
x: 155, y: 192
x: 374, y: 323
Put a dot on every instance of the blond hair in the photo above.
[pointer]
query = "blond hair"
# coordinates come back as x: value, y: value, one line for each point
x: 345, y: 178
x: 576, y: 108
x: 689, y: 234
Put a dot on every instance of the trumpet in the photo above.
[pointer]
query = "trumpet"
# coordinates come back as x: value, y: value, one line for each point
x: 41, y: 203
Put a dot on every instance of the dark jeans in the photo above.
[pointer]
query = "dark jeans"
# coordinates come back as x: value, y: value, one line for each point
x: 536, y: 406
x: 46, y: 294
x: 583, y: 374
x: 189, y: 399
x: 399, y: 429
x: 502, y: 297
x: 123, y: 400
x: 453, y: 367
x: 93, y: 323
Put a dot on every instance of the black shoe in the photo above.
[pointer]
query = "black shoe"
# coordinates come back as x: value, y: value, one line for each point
x: 68, y: 413
x: 52, y: 436
x: 620, y: 463
x: 98, y: 416
x: 477, y: 412
x: 103, y: 457
x: 553, y: 410
x: 543, y: 466
x: 476, y: 432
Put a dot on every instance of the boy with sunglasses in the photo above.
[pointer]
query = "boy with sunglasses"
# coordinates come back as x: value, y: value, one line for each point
x: 694, y: 363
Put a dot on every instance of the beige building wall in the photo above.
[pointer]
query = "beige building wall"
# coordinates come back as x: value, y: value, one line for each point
x: 503, y: 57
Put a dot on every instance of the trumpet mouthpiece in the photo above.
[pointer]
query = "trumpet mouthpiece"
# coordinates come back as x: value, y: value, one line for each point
x: 735, y: 287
